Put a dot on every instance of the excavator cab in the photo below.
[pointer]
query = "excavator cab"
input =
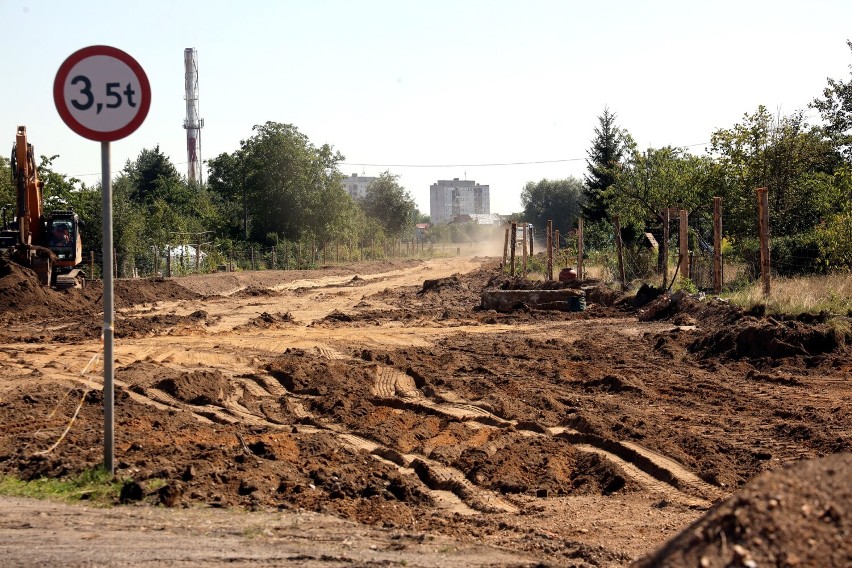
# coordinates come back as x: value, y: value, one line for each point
x: 61, y: 237
x: 62, y: 229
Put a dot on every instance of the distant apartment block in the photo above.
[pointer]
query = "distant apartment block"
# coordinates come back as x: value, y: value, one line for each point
x: 356, y: 186
x: 451, y: 198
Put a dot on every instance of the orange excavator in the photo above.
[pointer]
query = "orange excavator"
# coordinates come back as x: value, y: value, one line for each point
x: 50, y: 243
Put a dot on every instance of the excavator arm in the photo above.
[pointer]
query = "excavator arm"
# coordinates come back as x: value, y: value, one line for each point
x: 29, y: 190
x: 53, y: 259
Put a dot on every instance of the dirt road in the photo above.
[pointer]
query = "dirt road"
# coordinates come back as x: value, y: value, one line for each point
x: 361, y: 393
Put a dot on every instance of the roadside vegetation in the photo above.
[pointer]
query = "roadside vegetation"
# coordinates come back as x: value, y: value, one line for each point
x: 830, y: 295
x: 95, y: 486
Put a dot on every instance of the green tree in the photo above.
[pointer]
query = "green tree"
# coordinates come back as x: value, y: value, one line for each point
x: 7, y: 187
x: 390, y: 204
x: 656, y: 179
x: 795, y: 161
x: 609, y: 147
x: 226, y: 182
x: 835, y: 108
x: 58, y: 187
x: 151, y: 176
x: 834, y: 234
x: 128, y: 218
x: 292, y: 188
x: 560, y: 201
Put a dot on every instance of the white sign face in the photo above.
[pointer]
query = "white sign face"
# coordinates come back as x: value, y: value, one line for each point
x: 102, y: 93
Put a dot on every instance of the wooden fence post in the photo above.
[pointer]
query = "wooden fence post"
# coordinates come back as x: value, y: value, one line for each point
x: 506, y: 246
x: 580, y: 248
x: 524, y: 236
x: 717, y: 245
x: 512, y: 243
x: 556, y: 244
x: 664, y: 246
x: 91, y: 265
x: 549, y: 275
x: 169, y: 261
x: 763, y: 226
x: 619, y: 246
x: 683, y: 243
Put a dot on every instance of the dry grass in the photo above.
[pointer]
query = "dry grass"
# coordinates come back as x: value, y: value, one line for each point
x: 813, y: 294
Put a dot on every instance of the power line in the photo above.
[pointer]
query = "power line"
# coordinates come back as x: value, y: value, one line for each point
x: 460, y: 165
x: 117, y: 171
x: 485, y: 165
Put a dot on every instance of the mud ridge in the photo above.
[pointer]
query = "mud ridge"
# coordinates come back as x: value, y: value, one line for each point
x: 388, y: 381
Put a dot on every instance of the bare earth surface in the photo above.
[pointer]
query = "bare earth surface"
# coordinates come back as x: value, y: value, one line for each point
x: 374, y: 415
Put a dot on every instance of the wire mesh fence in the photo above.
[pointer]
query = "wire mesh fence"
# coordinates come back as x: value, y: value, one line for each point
x: 181, y: 260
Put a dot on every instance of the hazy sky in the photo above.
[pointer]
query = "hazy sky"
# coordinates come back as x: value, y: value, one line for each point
x: 456, y: 84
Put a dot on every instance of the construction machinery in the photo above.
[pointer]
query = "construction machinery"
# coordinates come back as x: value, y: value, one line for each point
x: 49, y: 243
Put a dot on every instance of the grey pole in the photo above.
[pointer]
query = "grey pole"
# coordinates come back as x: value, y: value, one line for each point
x: 109, y: 309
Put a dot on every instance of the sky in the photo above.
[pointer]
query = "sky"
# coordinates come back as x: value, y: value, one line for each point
x: 500, y: 92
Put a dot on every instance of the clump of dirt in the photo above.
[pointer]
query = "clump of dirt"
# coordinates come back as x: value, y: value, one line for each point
x: 542, y: 467
x: 255, y: 292
x: 795, y: 516
x: 197, y: 387
x: 646, y: 294
x: 709, y: 312
x: 160, y: 324
x: 134, y: 291
x: 728, y: 331
x: 356, y: 281
x: 338, y: 316
x: 751, y: 338
x: 439, y: 284
x: 267, y: 321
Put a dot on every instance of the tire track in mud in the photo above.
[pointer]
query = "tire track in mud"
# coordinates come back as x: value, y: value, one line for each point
x: 652, y: 470
x: 448, y: 486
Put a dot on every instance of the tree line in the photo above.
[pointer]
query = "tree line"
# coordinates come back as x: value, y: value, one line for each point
x: 807, y: 168
x: 276, y: 187
x: 279, y: 186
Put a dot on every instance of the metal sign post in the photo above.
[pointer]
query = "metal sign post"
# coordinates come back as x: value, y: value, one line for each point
x: 103, y: 94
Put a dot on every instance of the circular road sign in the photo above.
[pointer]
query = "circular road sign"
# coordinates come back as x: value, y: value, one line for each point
x: 102, y: 93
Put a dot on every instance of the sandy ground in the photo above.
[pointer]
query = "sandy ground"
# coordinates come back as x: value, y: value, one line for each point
x: 358, y: 416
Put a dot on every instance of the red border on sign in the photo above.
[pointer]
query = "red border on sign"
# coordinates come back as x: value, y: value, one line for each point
x: 74, y: 124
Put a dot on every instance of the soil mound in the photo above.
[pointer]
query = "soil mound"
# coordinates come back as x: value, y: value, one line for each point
x: 160, y: 324
x: 752, y: 338
x: 800, y: 515
x: 200, y: 387
x: 21, y: 293
x: 266, y: 321
x: 667, y: 307
x: 439, y: 284
x: 131, y: 292
x: 23, y: 297
x: 255, y: 292
x: 728, y: 331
